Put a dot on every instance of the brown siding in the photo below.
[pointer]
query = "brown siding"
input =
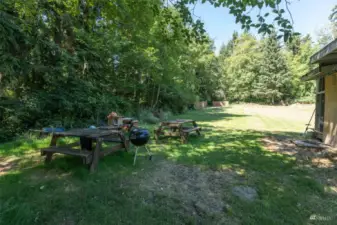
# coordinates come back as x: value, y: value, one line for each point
x: 330, y: 114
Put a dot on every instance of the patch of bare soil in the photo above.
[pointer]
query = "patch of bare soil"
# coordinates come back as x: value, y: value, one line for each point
x: 202, y: 193
x: 8, y: 164
x: 280, y: 144
x: 318, y: 156
x: 322, y: 162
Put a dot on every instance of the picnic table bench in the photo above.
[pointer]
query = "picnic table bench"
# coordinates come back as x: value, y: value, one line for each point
x: 89, y: 154
x: 177, y: 128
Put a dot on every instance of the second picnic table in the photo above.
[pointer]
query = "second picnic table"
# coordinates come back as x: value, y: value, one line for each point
x: 177, y: 128
x: 87, y: 152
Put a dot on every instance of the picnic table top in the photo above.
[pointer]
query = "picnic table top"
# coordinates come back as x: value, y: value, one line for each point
x: 110, y: 127
x: 86, y: 132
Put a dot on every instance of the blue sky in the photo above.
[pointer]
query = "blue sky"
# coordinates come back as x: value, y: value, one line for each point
x: 309, y: 16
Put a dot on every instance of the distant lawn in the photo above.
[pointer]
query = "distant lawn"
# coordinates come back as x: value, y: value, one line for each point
x: 185, y: 183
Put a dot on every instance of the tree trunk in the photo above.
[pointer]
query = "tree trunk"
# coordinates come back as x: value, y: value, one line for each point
x: 153, y: 96
x: 138, y: 92
x: 158, y: 92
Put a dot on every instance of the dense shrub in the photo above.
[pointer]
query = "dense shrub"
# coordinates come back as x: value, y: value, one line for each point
x: 70, y: 64
x: 147, y: 116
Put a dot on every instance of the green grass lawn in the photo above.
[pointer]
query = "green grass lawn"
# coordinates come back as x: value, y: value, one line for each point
x: 184, y: 184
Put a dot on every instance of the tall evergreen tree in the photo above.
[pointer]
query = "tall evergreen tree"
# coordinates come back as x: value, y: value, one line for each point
x: 333, y: 15
x: 241, y: 68
x: 227, y: 49
x: 299, y: 64
x: 274, y: 79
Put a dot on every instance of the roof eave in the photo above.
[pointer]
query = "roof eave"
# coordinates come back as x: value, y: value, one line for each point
x: 325, y: 54
x: 312, y: 75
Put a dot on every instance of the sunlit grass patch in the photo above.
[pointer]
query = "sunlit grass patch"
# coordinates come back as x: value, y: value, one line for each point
x: 184, y: 184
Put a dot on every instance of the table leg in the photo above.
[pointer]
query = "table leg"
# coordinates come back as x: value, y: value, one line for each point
x: 157, y: 133
x: 53, y: 142
x: 122, y: 137
x: 183, y: 136
x: 96, y: 154
x: 195, y: 125
x: 49, y: 156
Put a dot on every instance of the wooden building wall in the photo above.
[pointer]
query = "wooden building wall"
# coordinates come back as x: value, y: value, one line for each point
x: 330, y: 111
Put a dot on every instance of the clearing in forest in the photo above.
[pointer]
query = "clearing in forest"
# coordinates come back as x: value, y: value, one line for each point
x: 243, y: 170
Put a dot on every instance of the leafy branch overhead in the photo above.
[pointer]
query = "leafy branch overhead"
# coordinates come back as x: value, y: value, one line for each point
x: 333, y: 15
x: 278, y: 10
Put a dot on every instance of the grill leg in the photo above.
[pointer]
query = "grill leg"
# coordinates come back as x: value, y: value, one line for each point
x: 148, y: 152
x: 135, y: 158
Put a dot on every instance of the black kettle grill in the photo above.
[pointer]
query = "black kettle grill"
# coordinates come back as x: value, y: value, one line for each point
x: 139, y: 137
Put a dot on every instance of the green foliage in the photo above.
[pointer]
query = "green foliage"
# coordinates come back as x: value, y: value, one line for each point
x: 227, y: 50
x: 71, y: 62
x: 264, y: 71
x: 147, y: 116
x: 328, y: 33
x: 298, y: 61
x: 241, y: 10
x: 219, y: 95
x: 230, y: 153
x: 273, y: 82
x: 241, y: 68
x: 333, y: 15
x: 306, y: 100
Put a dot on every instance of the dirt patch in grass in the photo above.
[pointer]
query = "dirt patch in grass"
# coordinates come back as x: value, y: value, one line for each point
x: 322, y: 163
x: 201, y: 193
x: 319, y: 157
x: 8, y: 164
x: 12, y: 163
x: 281, y: 144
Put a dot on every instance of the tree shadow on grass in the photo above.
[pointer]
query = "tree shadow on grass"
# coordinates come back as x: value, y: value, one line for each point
x: 288, y: 192
x: 227, y: 148
x: 64, y: 192
x: 23, y: 146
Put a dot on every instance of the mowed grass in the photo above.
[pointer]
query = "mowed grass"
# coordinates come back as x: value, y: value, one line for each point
x: 64, y: 192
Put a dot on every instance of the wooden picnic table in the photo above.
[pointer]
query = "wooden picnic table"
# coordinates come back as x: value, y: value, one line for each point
x: 87, y: 137
x: 177, y: 128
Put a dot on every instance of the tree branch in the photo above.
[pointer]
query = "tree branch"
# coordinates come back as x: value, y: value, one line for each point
x: 287, y: 7
x: 193, y: 11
